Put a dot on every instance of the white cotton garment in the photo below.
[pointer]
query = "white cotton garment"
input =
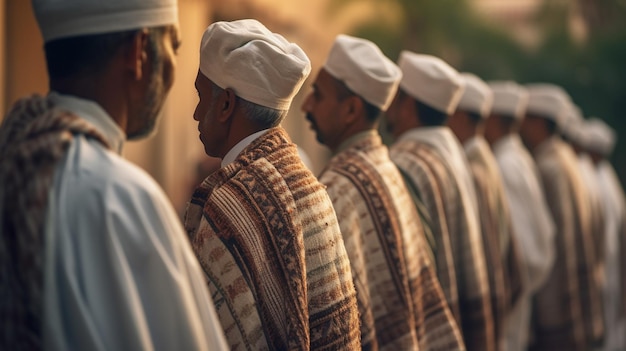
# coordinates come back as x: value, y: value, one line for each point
x: 533, y: 229
x: 119, y: 271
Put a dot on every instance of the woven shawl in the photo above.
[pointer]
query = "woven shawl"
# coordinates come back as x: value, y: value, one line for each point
x: 401, y: 303
x: 459, y: 257
x: 267, y: 238
x: 503, y: 267
x: 33, y: 138
x: 562, y: 303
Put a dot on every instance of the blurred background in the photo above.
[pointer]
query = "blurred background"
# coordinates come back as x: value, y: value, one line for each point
x: 578, y: 44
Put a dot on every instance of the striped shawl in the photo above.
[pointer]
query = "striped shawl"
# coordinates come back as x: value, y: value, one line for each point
x: 503, y: 266
x: 566, y: 307
x: 267, y: 238
x: 33, y: 138
x: 459, y: 253
x: 401, y: 303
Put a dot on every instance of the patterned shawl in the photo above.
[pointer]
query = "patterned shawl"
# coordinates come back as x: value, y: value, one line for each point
x: 401, y: 303
x: 267, y: 238
x: 458, y: 252
x: 33, y: 138
x: 566, y: 307
x: 503, y: 267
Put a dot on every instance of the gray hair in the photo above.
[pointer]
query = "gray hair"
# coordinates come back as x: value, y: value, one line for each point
x: 265, y: 117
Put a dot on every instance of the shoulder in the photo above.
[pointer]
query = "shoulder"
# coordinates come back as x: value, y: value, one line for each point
x: 92, y: 178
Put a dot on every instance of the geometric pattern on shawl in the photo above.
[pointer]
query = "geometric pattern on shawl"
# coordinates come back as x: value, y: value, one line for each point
x: 401, y: 302
x: 503, y: 269
x: 267, y: 238
x: 558, y: 309
x: 34, y: 137
x: 459, y: 258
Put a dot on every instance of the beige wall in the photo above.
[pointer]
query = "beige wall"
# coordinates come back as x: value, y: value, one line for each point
x: 25, y: 70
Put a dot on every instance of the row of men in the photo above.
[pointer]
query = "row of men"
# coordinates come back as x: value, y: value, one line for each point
x: 405, y: 248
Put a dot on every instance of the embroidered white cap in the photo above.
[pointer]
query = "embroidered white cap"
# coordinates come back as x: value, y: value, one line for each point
x: 477, y: 96
x: 364, y: 69
x: 548, y: 101
x: 509, y: 99
x: 598, y: 136
x: 259, y: 66
x: 70, y: 18
x: 430, y: 80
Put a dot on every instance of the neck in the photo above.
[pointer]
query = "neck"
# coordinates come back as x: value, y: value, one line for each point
x: 98, y: 90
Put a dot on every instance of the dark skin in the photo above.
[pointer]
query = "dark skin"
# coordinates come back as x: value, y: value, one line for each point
x: 534, y: 130
x: 227, y: 123
x: 335, y: 114
x: 402, y: 115
x: 498, y: 127
x: 120, y: 87
x: 464, y: 127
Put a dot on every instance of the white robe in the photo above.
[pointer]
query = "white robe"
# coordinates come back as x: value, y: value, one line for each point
x: 612, y: 195
x: 533, y: 229
x: 119, y: 273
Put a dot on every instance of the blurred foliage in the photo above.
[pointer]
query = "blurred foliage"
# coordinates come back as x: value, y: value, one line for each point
x: 592, y: 71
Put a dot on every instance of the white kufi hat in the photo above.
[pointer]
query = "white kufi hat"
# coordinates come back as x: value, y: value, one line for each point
x: 599, y: 136
x: 430, y: 80
x: 364, y: 69
x: 548, y: 101
x: 260, y: 66
x: 477, y: 96
x: 509, y: 99
x: 70, y: 18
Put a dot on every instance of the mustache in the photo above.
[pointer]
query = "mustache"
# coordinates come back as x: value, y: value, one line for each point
x: 309, y: 117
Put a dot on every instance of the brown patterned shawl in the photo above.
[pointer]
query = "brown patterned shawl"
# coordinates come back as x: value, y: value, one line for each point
x: 33, y: 138
x: 570, y: 295
x: 267, y: 238
x: 401, y: 303
x: 503, y: 267
x: 459, y: 258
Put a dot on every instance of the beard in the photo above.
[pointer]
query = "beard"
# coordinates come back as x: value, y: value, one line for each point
x: 146, y: 120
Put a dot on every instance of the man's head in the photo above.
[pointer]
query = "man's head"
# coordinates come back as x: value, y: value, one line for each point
x: 429, y: 92
x: 473, y: 108
x: 355, y: 84
x: 598, y: 138
x: 547, y: 107
x: 507, y: 111
x: 127, y: 46
x: 247, y: 79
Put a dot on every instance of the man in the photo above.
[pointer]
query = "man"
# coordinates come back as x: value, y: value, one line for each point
x: 564, y: 305
x: 533, y: 227
x: 435, y: 168
x: 401, y: 304
x: 262, y: 226
x: 572, y: 134
x: 598, y: 140
x: 503, y: 266
x: 93, y: 257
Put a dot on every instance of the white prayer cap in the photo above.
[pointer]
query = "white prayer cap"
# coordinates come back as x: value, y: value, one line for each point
x: 259, y: 66
x: 477, y: 96
x: 509, y: 99
x: 548, y: 101
x: 599, y: 136
x: 572, y: 121
x: 364, y: 69
x: 430, y: 80
x: 70, y: 18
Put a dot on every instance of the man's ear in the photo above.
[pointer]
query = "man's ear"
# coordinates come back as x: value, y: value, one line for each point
x: 136, y: 54
x: 354, y: 106
x: 226, y: 101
